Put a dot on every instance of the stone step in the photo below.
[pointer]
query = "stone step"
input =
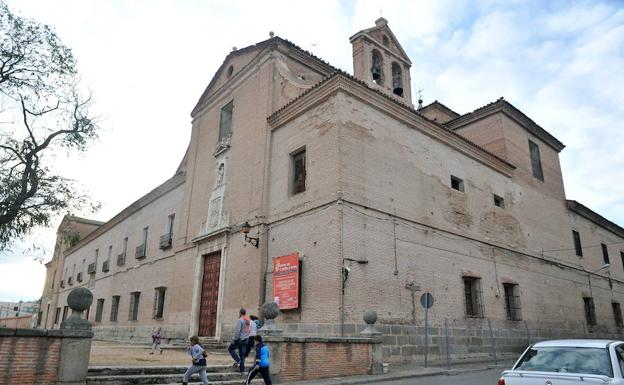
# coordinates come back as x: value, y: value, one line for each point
x: 194, y: 380
x: 211, y: 344
x: 96, y: 371
x: 229, y: 378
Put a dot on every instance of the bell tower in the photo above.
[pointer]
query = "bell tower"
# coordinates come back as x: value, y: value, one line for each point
x: 380, y: 61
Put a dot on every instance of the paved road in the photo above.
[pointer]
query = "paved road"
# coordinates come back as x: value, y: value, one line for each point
x: 487, y: 377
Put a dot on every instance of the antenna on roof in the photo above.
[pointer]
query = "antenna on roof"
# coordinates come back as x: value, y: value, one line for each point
x: 420, y: 102
x: 271, y: 34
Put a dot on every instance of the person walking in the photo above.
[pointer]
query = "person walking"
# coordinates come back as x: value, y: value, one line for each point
x: 156, y: 338
x: 253, y: 330
x: 240, y: 340
x: 198, y: 358
x: 262, y: 363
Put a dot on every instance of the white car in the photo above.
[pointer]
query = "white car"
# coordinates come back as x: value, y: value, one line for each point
x: 568, y: 362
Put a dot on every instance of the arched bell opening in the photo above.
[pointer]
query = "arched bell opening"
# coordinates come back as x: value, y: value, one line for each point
x: 377, y: 68
x: 397, y: 80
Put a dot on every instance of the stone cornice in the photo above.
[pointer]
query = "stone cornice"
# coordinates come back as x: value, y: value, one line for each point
x: 148, y: 198
x: 594, y: 217
x: 501, y: 105
x: 211, y: 235
x: 340, y: 82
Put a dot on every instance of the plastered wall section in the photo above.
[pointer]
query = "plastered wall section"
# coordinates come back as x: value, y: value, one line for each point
x: 307, y: 222
x: 396, y: 170
x: 270, y: 81
x: 548, y: 217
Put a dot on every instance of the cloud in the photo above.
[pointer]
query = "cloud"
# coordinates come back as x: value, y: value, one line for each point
x: 22, y: 280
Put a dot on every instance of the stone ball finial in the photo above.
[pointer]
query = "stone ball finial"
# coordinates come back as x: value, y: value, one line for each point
x: 80, y: 299
x: 370, y: 317
x: 269, y: 311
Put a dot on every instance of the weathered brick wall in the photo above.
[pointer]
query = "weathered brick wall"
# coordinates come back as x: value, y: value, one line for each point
x: 28, y: 359
x: 312, y: 360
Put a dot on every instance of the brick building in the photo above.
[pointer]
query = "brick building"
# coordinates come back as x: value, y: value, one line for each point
x: 382, y: 200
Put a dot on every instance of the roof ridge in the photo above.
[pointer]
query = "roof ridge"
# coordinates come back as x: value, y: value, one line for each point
x: 515, y: 113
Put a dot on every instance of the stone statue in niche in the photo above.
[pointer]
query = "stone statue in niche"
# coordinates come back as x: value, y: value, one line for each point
x: 220, y: 172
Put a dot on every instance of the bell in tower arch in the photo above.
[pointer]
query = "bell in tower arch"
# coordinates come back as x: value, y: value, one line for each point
x: 377, y: 67
x: 397, y: 81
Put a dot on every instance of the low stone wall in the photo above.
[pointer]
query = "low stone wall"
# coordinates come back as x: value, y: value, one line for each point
x: 33, y: 356
x: 468, y: 341
x: 307, y: 358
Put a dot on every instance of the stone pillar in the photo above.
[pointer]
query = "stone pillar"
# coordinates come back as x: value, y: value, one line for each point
x: 370, y: 317
x: 76, y: 342
x: 269, y: 311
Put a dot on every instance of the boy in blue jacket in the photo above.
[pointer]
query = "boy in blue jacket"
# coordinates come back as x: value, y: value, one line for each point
x: 262, y: 363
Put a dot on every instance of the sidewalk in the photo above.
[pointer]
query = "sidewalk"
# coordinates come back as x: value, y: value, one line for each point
x: 105, y: 353
x: 406, y: 371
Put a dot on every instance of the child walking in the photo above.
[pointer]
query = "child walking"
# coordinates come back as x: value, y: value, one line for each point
x: 262, y: 363
x: 198, y: 356
x: 156, y: 337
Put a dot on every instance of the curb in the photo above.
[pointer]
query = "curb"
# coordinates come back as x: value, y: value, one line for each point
x: 394, y: 376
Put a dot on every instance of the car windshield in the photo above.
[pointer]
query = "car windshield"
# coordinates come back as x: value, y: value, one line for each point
x: 567, y: 360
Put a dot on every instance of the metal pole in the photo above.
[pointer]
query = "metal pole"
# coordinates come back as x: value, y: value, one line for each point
x: 493, y: 341
x: 426, y: 333
x: 448, y: 345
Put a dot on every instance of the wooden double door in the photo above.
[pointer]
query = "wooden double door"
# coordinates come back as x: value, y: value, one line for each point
x: 209, y: 295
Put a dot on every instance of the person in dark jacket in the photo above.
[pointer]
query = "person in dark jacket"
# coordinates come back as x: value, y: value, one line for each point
x: 262, y: 363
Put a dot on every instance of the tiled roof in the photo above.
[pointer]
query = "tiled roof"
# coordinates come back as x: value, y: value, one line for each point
x: 502, y: 105
x: 441, y: 107
x: 593, y: 216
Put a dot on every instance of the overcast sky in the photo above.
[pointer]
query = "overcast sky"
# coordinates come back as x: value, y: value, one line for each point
x: 147, y: 62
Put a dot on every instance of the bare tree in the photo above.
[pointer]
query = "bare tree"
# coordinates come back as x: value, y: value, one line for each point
x: 42, y: 112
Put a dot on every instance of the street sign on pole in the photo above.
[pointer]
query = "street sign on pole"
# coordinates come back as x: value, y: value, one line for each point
x: 426, y: 300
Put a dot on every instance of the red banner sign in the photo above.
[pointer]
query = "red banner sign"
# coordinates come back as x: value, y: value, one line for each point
x: 286, y: 281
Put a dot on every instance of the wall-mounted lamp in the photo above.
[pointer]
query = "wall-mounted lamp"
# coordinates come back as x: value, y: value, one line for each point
x: 360, y: 261
x: 246, y: 228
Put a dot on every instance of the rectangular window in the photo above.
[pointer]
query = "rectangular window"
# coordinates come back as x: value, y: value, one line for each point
x: 114, y: 308
x: 159, y: 302
x: 605, y: 253
x: 225, y: 123
x: 65, y: 310
x: 577, y: 243
x: 99, y: 309
x: 141, y: 250
x: 617, y: 314
x: 512, y: 301
x: 536, y: 161
x: 622, y: 258
x: 472, y: 292
x: 298, y: 160
x: 57, y: 314
x: 590, y: 311
x: 457, y: 183
x: 133, y: 313
x: 499, y: 201
x: 170, y: 221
